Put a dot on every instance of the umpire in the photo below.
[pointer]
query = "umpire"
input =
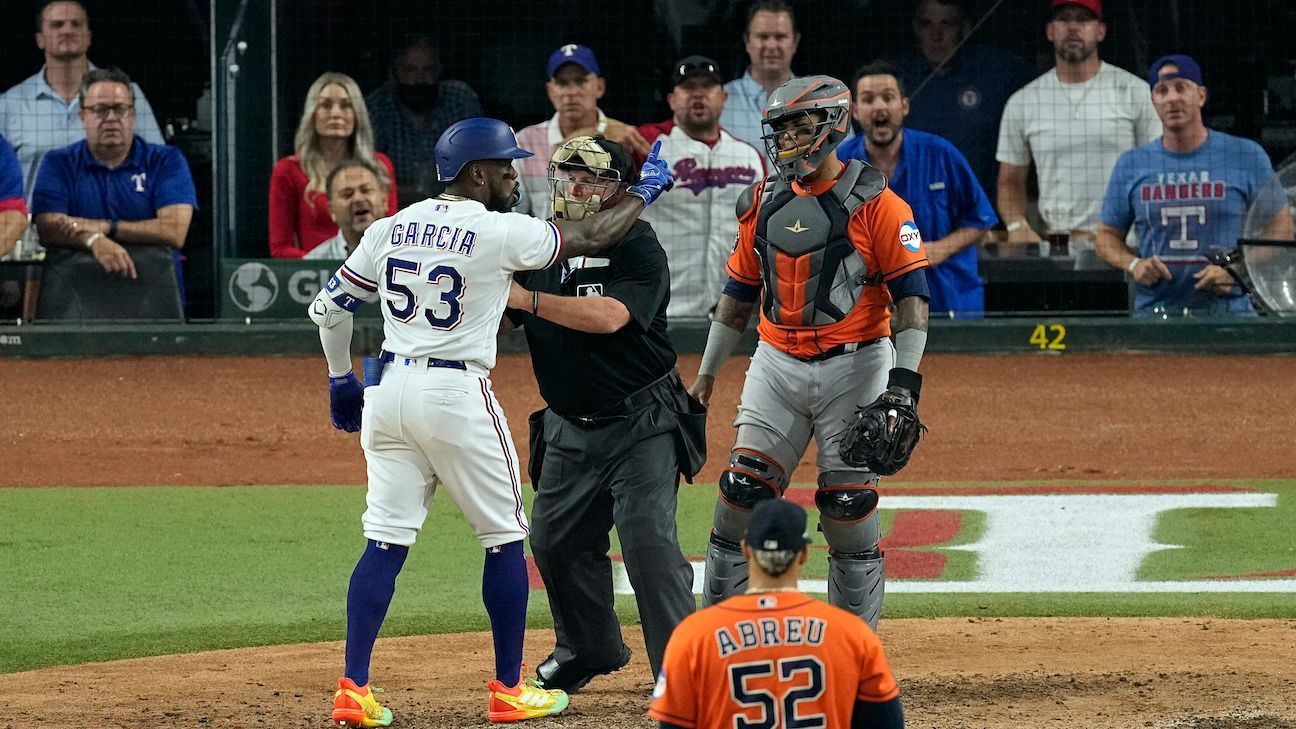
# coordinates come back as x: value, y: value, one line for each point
x: 618, y: 432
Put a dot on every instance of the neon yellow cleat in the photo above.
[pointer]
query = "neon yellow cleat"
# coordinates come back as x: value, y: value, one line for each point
x: 355, y: 706
x: 527, y: 700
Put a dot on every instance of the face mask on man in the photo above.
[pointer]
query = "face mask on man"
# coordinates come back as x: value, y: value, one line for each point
x: 418, y: 98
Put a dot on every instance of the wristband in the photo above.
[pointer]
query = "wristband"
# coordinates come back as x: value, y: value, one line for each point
x: 1015, y: 225
x: 535, y: 303
x: 1130, y: 268
x: 89, y: 244
x: 908, y: 379
x: 112, y: 230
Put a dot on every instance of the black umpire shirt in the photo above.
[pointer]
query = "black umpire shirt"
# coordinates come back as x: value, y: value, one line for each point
x: 582, y: 374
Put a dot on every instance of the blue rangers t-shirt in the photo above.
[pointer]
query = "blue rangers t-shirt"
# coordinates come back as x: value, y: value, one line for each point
x: 1185, y: 205
x: 937, y: 182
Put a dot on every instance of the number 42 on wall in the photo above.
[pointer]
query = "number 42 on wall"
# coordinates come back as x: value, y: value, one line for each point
x: 1049, y: 336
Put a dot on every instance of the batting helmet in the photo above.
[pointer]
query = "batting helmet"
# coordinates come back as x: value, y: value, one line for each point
x: 800, y: 97
x: 473, y: 139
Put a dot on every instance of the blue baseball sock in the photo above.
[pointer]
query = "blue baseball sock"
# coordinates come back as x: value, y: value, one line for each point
x: 504, y: 592
x: 372, y: 585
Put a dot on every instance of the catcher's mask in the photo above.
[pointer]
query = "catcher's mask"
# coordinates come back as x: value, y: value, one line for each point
x: 805, y: 119
x: 585, y: 174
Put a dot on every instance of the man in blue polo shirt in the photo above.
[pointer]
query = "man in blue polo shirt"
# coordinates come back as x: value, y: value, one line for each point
x: 949, y: 206
x: 112, y: 196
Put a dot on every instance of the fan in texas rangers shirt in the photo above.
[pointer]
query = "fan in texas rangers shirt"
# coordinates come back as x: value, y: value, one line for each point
x: 695, y: 220
x: 1187, y: 193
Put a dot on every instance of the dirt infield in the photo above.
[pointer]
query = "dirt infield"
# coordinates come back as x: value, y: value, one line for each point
x: 216, y: 421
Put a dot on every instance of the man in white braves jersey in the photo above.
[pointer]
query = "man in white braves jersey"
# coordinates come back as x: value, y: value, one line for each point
x: 442, y: 270
x: 695, y: 220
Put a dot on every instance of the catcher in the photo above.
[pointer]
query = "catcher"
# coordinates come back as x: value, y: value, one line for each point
x: 826, y: 249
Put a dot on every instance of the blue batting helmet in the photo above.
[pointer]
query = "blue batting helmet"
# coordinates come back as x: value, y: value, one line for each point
x: 473, y: 139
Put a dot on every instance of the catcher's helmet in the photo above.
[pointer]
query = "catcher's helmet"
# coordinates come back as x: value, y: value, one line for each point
x: 473, y: 139
x: 797, y: 99
x: 609, y: 167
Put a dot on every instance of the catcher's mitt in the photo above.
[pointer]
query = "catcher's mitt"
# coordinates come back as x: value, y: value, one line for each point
x: 884, y: 433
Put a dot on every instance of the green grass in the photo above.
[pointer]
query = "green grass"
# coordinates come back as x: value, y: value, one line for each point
x: 97, y: 574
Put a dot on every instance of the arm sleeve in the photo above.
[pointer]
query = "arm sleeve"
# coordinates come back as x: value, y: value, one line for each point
x: 175, y: 184
x: 1013, y: 148
x: 392, y: 204
x: 884, y: 715
x: 529, y: 243
x: 146, y: 124
x: 741, y: 291
x: 50, y: 194
x: 884, y: 230
x: 1116, y: 209
x: 11, y: 181
x: 641, y: 280
x: 285, y: 199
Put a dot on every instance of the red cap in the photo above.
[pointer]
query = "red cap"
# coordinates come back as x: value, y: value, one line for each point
x: 1093, y: 6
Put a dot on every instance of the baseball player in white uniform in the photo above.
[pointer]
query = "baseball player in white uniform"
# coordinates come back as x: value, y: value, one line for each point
x: 441, y: 271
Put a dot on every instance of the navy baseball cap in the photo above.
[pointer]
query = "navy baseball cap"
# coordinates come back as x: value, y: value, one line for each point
x: 573, y: 53
x: 777, y: 525
x: 692, y: 66
x: 1188, y: 69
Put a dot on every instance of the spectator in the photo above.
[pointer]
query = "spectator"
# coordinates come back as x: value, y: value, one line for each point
x: 334, y: 127
x: 41, y: 113
x: 13, y: 207
x: 958, y: 89
x: 1187, y: 193
x: 411, y: 110
x: 115, y: 197
x: 574, y: 89
x: 357, y: 197
x: 771, y: 40
x: 1072, y: 122
x: 786, y: 643
x: 949, y: 206
x: 695, y: 219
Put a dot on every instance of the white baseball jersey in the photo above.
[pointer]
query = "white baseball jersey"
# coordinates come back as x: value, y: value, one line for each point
x: 442, y: 269
x: 695, y: 220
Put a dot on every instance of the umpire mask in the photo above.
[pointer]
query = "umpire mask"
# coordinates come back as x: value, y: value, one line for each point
x: 805, y: 119
x: 585, y: 173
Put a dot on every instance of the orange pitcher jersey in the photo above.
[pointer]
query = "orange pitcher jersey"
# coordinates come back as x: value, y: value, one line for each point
x: 773, y: 660
x: 885, y: 235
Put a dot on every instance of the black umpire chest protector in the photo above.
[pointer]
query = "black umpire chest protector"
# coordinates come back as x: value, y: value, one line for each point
x: 807, y: 235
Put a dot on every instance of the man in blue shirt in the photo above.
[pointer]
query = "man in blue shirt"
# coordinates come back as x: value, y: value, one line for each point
x: 1187, y: 193
x: 113, y: 195
x: 771, y: 39
x: 40, y: 113
x: 13, y: 207
x: 950, y: 208
x: 958, y: 89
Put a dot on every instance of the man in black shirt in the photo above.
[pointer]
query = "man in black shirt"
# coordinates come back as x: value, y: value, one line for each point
x: 619, y: 430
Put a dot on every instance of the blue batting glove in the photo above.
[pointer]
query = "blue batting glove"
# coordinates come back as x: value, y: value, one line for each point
x: 654, y: 177
x: 346, y: 398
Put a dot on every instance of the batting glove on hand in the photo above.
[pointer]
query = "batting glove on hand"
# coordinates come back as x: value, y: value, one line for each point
x: 654, y: 177
x: 346, y: 398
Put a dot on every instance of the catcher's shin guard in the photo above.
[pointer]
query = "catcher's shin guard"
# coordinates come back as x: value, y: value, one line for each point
x: 856, y: 582
x: 726, y: 570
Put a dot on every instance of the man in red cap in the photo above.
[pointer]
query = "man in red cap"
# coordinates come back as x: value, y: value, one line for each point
x: 1071, y: 123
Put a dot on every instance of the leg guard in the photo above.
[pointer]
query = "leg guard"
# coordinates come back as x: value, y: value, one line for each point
x: 856, y: 582
x: 726, y: 570
x: 849, y: 521
x: 751, y: 477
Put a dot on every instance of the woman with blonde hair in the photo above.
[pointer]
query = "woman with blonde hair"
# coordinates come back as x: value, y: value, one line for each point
x: 334, y: 127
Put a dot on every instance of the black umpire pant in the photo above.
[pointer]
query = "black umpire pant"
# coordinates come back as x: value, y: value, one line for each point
x: 620, y: 471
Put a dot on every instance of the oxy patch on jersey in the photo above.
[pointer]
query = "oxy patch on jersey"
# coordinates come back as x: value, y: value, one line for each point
x: 910, y: 238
